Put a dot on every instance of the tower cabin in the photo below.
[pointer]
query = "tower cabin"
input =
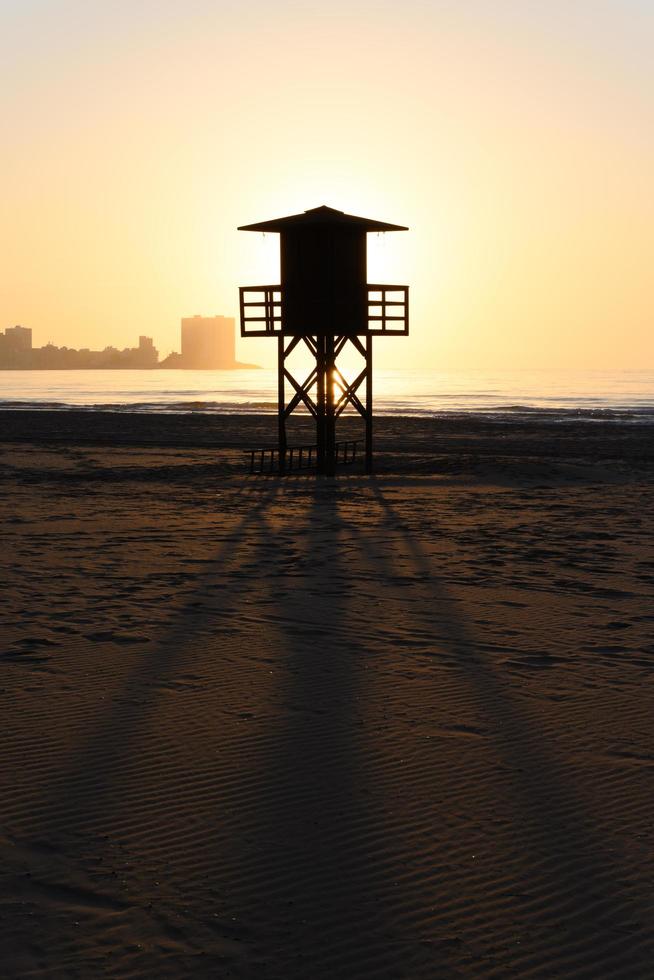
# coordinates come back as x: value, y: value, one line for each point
x: 324, y: 300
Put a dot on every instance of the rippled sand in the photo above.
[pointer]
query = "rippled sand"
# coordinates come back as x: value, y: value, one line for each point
x: 360, y: 728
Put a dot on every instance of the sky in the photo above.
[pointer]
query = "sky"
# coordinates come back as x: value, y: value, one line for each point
x: 515, y: 138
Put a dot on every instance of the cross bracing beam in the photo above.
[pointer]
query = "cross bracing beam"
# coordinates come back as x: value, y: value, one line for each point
x: 359, y: 346
x: 339, y: 344
x: 301, y: 393
x: 348, y: 396
x: 325, y: 393
x: 291, y: 347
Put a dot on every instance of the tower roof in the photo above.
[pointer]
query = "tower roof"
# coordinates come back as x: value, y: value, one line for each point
x: 322, y: 216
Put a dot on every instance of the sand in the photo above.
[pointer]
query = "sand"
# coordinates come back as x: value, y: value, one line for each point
x: 388, y: 727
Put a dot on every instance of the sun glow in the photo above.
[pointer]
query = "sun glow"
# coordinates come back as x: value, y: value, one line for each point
x: 515, y: 144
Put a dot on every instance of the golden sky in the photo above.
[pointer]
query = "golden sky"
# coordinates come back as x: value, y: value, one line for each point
x: 515, y: 138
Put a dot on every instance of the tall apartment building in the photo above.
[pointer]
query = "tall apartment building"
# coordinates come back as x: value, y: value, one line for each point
x: 208, y: 342
x: 18, y: 339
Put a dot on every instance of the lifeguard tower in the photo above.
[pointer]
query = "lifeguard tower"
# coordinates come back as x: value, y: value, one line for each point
x: 324, y: 301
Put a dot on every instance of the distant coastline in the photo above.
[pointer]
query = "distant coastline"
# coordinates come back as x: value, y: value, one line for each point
x: 236, y: 366
x: 208, y: 344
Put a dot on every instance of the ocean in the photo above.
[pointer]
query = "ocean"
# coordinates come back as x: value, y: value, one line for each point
x: 593, y: 394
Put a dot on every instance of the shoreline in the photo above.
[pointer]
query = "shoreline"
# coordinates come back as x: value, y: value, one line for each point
x: 201, y: 407
x: 463, y: 442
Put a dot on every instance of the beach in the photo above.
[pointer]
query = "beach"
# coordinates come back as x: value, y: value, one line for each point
x: 395, y: 726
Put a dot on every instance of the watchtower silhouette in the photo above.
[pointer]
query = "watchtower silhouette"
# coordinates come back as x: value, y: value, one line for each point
x: 325, y: 302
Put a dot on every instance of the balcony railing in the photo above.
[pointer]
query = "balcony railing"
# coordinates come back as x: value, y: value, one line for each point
x: 261, y: 316
x: 387, y: 311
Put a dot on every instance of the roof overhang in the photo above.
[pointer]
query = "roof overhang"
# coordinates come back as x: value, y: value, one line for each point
x: 322, y: 216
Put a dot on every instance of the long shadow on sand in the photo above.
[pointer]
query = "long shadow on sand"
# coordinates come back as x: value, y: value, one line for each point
x: 313, y: 856
x: 295, y: 848
x: 89, y: 784
x: 571, y: 868
x: 297, y: 843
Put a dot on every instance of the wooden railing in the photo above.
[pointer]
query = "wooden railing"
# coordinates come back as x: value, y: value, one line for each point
x: 262, y: 316
x: 299, y: 457
x: 387, y: 310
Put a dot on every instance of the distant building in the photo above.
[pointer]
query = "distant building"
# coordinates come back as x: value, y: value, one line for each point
x: 18, y: 339
x: 15, y: 347
x: 208, y: 342
x: 146, y: 353
x: 17, y: 353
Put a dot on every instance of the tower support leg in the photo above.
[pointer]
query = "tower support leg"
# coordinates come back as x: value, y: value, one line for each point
x: 281, y: 406
x: 327, y: 405
x: 330, y: 421
x: 320, y: 403
x: 368, y: 418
